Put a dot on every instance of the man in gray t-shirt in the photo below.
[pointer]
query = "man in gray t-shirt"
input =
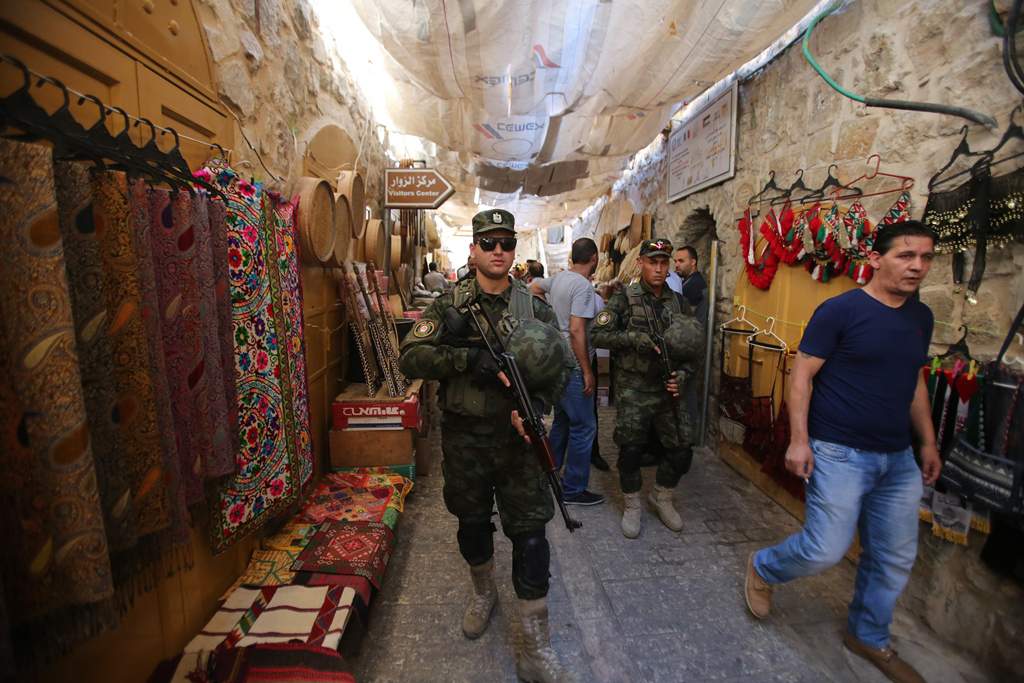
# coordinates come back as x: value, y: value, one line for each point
x: 572, y: 433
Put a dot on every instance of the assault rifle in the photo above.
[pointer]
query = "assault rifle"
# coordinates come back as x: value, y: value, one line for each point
x: 657, y: 335
x: 532, y: 421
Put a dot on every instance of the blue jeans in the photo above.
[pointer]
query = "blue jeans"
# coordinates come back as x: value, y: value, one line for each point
x: 877, y: 494
x: 572, y: 434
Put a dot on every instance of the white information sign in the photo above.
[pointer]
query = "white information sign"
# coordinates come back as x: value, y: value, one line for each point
x: 702, y: 148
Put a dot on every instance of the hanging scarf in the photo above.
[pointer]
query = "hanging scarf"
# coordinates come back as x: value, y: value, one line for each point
x: 151, y: 318
x: 222, y: 459
x: 136, y: 411
x: 87, y: 287
x: 172, y: 238
x: 55, y: 548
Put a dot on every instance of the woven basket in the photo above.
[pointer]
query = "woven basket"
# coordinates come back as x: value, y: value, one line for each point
x: 377, y: 245
x: 342, y: 231
x: 316, y: 220
x: 396, y: 251
x: 350, y: 184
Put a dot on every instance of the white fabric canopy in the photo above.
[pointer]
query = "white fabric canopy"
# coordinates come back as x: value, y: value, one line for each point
x: 522, y: 83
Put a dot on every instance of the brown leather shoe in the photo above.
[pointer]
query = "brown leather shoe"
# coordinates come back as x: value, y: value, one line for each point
x: 885, y: 659
x: 757, y: 591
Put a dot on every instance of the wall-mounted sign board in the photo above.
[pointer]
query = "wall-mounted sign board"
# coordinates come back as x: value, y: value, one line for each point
x: 702, y: 148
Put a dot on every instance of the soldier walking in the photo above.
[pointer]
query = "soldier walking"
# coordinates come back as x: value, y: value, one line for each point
x: 645, y: 397
x: 485, y: 458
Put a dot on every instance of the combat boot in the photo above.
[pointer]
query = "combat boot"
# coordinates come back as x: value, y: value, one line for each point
x: 661, y: 499
x: 632, y: 514
x: 482, y: 602
x: 536, y: 662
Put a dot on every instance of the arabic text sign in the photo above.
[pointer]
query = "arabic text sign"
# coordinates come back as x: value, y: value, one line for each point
x: 415, y: 188
x: 702, y: 151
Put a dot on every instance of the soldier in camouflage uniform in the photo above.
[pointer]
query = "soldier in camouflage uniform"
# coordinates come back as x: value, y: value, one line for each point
x: 485, y: 458
x: 644, y: 396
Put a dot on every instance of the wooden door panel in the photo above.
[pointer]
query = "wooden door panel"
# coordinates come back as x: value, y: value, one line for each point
x: 165, y: 104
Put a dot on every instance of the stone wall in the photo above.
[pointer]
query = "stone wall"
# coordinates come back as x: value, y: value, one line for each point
x: 925, y: 50
x: 284, y: 80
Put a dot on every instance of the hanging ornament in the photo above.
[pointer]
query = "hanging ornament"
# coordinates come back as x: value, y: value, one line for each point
x: 760, y: 270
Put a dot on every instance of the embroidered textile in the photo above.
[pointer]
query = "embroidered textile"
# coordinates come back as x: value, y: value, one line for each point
x: 315, y: 615
x: 51, y: 506
x: 328, y: 502
x: 267, y: 568
x: 268, y: 473
x: 172, y: 237
x: 279, y: 663
x: 282, y: 223
x: 356, y: 549
x: 293, y: 537
x: 370, y: 477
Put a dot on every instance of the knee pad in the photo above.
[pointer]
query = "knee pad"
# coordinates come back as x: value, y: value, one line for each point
x: 476, y: 541
x: 531, y: 559
x: 683, y: 458
x: 630, y: 458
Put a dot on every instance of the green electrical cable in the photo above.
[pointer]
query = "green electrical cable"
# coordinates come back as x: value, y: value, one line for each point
x: 930, y: 107
x: 806, y: 49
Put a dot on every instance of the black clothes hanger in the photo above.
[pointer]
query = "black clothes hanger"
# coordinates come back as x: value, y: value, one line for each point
x: 959, y: 347
x: 831, y: 181
x: 769, y: 186
x: 962, y: 150
x: 797, y: 186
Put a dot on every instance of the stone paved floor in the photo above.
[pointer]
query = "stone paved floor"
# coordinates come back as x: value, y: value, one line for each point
x: 664, y: 607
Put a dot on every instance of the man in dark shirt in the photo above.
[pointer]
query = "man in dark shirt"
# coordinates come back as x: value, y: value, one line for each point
x: 693, y: 286
x: 850, y: 441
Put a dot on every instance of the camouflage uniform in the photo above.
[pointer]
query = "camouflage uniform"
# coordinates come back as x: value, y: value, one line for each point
x: 642, y: 403
x: 484, y: 457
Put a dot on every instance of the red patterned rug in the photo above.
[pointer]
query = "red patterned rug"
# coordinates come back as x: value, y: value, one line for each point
x: 351, y: 548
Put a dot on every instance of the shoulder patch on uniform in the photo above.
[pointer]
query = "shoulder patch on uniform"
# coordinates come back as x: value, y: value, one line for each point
x: 603, y: 318
x: 424, y: 329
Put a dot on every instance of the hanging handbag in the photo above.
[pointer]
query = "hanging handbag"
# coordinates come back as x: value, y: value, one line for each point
x: 994, y: 478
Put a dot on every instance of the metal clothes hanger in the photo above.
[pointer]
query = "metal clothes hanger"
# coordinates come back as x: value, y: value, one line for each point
x: 741, y: 319
x: 768, y: 331
x: 906, y: 182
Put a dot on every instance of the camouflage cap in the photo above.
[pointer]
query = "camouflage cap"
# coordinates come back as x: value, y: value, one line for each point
x: 658, y: 247
x: 493, y: 219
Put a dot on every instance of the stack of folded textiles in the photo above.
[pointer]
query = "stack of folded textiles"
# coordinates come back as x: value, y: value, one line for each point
x: 293, y: 602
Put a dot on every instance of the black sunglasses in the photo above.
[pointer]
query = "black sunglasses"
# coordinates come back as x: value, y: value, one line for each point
x: 489, y: 243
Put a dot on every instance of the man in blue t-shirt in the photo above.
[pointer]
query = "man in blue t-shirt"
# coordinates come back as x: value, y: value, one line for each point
x: 856, y: 394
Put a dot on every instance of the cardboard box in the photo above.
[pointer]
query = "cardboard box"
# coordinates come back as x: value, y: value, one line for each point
x: 353, y: 409
x: 371, y: 447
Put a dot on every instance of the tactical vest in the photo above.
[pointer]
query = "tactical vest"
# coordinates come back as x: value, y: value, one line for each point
x: 644, y: 371
x: 461, y: 395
